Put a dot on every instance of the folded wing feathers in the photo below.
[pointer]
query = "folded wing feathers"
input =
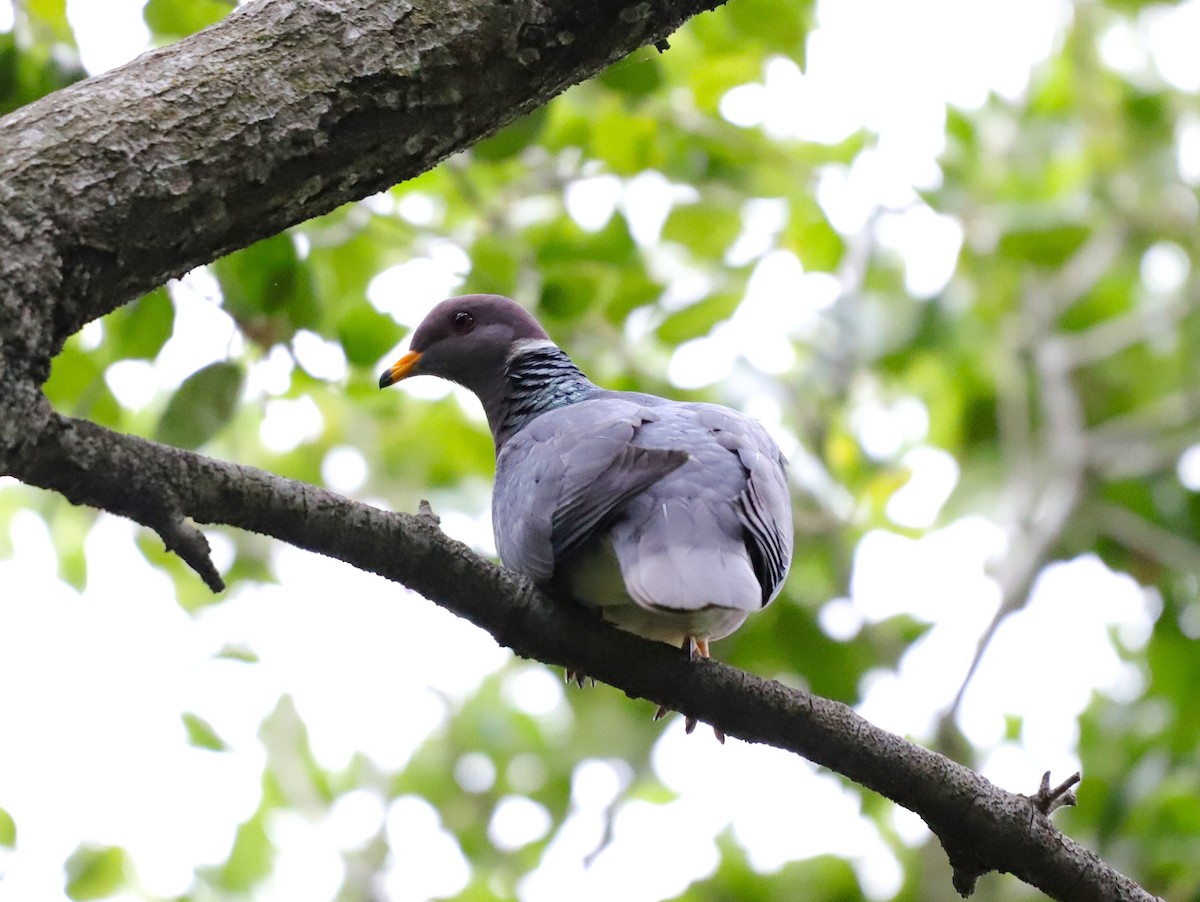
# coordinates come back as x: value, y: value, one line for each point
x: 595, y: 497
x: 703, y: 520
x: 767, y: 551
x: 563, y: 475
x: 685, y: 559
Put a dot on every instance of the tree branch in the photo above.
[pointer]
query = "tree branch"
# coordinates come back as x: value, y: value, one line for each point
x: 981, y: 827
x: 280, y: 112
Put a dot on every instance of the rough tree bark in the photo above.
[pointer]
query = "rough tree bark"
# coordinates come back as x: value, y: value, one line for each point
x: 281, y: 112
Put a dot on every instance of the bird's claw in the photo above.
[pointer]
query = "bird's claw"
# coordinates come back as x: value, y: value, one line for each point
x: 689, y: 725
x: 578, y: 677
x: 695, y: 647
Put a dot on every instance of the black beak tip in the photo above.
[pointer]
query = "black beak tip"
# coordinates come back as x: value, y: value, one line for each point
x: 386, y: 379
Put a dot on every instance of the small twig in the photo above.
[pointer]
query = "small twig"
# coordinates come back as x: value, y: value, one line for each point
x: 606, y: 839
x: 1047, y: 800
x: 74, y: 458
x: 1073, y: 281
x: 1058, y: 493
x: 1113, y: 335
x: 425, y: 512
x: 1176, y: 410
x: 192, y: 546
x: 1146, y: 537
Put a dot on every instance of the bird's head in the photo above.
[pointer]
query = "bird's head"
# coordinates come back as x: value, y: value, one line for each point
x: 467, y: 340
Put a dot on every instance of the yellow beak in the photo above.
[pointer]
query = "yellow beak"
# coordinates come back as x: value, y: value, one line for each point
x: 401, y: 369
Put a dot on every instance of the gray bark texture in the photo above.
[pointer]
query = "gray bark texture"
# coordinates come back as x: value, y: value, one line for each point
x: 281, y: 112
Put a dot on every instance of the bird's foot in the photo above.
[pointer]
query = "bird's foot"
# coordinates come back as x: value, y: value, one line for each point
x: 689, y: 725
x: 578, y: 677
x: 696, y: 647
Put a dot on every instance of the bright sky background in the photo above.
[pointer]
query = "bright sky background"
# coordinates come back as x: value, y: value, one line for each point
x: 94, y: 748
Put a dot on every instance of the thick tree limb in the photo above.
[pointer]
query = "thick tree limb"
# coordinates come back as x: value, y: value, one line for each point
x: 282, y: 111
x: 982, y: 827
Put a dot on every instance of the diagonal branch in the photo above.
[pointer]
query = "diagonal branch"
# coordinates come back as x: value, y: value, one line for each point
x: 982, y: 827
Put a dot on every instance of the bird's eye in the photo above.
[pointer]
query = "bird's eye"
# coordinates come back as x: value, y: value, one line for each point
x: 462, y: 322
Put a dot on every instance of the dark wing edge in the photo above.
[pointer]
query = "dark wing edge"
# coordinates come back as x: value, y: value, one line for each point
x: 769, y: 535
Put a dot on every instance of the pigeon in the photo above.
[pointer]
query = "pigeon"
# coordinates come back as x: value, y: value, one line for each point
x: 671, y: 519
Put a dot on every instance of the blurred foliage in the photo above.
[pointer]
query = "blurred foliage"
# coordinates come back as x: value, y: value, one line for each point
x: 1049, y: 362
x: 8, y: 830
x: 95, y: 872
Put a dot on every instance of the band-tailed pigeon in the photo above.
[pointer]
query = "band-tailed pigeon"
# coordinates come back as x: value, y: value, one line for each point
x: 671, y: 518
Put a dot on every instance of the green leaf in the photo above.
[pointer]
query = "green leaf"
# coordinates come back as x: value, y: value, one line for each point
x: 241, y: 653
x: 8, y: 830
x: 1151, y: 114
x: 74, y: 373
x: 141, y: 329
x: 568, y: 291
x: 697, y: 319
x: 568, y: 244
x: 201, y: 406
x: 29, y: 72
x: 633, y: 288
x: 810, y: 237
x: 267, y: 290
x: 494, y: 265
x: 707, y: 229
x: 172, y: 19
x: 780, y: 25
x: 9, y: 57
x: 719, y: 74
x: 824, y: 877
x: 627, y: 143
x: 201, y: 734
x: 343, y: 255
x: 52, y: 16
x: 252, y: 855
x: 1048, y: 245
x: 636, y: 76
x: 94, y: 872
x: 366, y: 334
x: 511, y: 139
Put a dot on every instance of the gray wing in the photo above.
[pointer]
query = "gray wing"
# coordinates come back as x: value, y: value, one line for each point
x: 601, y: 488
x: 717, y: 532
x: 565, y: 475
x: 765, y: 509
